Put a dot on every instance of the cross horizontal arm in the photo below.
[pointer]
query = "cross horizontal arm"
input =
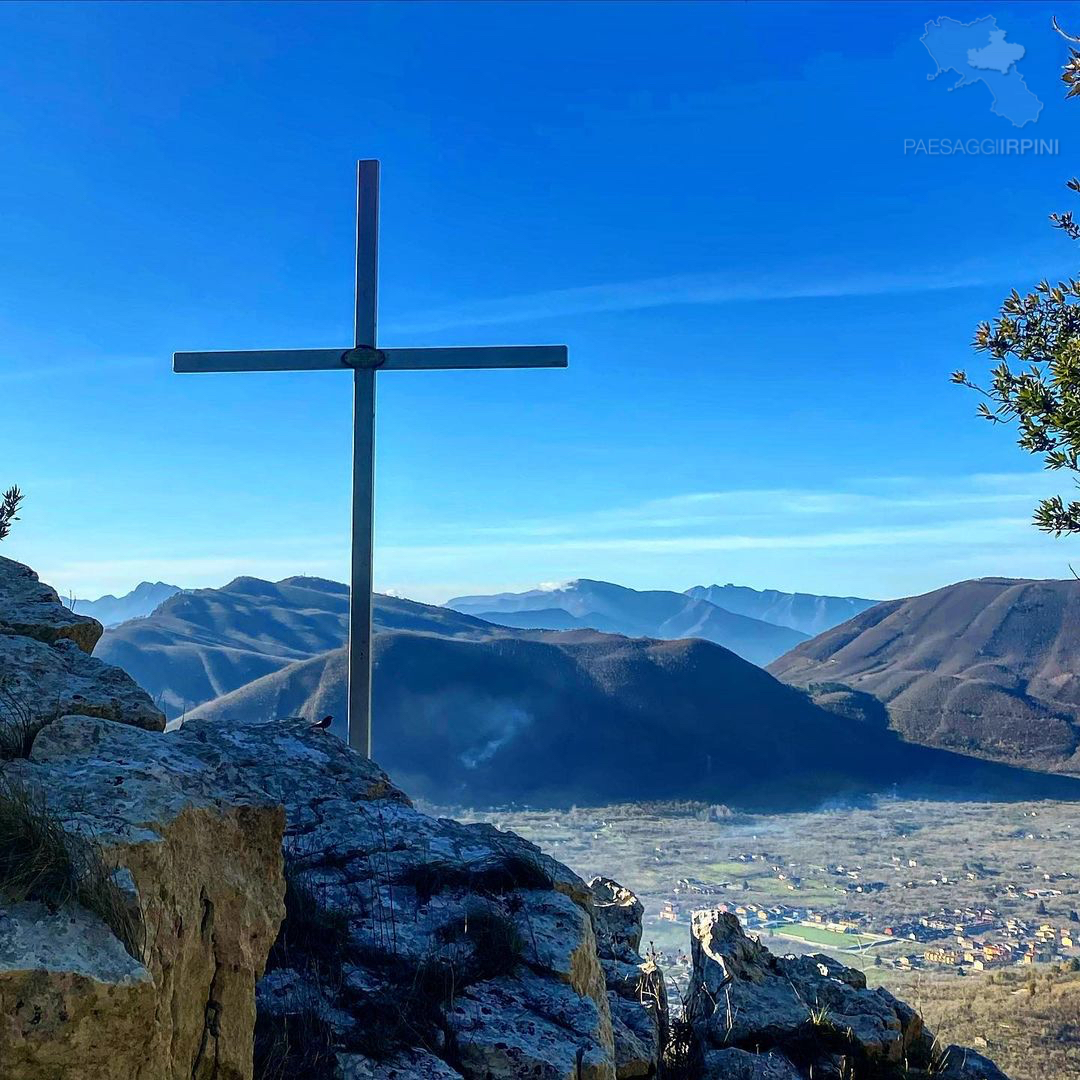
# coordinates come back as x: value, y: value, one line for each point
x: 484, y: 356
x: 257, y: 360
x: 480, y: 356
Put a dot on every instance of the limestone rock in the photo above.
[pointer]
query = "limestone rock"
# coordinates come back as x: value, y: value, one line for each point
x: 408, y: 1065
x: 637, y: 1048
x: 61, y: 973
x: 810, y: 1009
x: 763, y: 1017
x: 485, y: 944
x: 960, y: 1063
x: 201, y: 851
x: 528, y: 1026
x: 637, y: 997
x: 46, y: 669
x: 735, y: 1064
x: 46, y: 681
x: 30, y: 608
x: 618, y: 916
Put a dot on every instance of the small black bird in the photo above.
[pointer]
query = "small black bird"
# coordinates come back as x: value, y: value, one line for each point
x: 324, y: 723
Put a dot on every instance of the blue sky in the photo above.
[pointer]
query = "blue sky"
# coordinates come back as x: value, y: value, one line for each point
x: 762, y: 294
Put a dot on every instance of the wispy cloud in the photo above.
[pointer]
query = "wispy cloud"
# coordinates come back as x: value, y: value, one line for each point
x: 792, y: 283
x: 24, y: 371
x: 952, y: 532
x: 896, y: 501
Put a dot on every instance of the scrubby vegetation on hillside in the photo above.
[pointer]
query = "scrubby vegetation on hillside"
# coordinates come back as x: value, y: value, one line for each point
x: 1027, y: 1021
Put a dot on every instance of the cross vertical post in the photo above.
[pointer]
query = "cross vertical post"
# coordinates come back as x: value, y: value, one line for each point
x: 363, y: 507
x: 364, y: 360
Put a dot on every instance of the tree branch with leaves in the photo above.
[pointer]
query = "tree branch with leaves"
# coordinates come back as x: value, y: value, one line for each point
x: 10, y: 502
x: 1035, y: 340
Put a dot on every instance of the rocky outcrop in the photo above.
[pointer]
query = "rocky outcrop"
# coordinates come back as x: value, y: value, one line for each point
x: 410, y: 933
x: 199, y: 853
x: 732, y: 1064
x: 259, y: 885
x: 46, y: 669
x: 174, y: 859
x: 763, y: 1017
x: 30, y: 608
x: 637, y: 996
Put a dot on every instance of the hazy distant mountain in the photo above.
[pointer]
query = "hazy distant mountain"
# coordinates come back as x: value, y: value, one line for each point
x: 556, y: 718
x: 801, y: 611
x: 989, y: 667
x: 141, y: 601
x: 206, y: 642
x: 466, y: 710
x: 600, y: 605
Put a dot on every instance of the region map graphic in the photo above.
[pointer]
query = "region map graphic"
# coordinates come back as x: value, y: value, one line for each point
x: 978, y: 52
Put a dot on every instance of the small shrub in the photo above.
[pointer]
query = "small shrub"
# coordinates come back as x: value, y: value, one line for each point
x: 495, y: 946
x: 41, y: 860
x: 683, y: 1057
x: 10, y: 502
x: 300, y: 1046
x: 19, y: 724
x: 313, y: 934
x: 507, y: 873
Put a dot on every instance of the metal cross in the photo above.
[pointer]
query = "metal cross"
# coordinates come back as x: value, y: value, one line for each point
x: 364, y: 359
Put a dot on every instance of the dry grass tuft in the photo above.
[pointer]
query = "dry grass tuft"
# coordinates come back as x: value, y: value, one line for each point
x: 18, y: 723
x: 42, y: 860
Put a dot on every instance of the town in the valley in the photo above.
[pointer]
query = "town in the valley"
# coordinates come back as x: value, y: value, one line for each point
x: 892, y: 888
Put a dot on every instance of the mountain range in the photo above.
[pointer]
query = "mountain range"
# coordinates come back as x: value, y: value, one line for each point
x: 112, y: 610
x: 988, y: 667
x: 804, y: 612
x: 472, y: 712
x: 599, y: 605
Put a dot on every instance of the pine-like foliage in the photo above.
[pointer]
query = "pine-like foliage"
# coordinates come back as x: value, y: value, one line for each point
x: 1035, y: 383
x: 10, y: 502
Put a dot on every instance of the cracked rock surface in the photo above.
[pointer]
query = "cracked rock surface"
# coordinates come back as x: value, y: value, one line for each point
x: 511, y: 983
x: 200, y: 851
x: 197, y: 853
x: 46, y: 670
x: 758, y: 1016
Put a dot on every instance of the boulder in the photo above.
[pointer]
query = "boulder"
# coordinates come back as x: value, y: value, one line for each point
x: 732, y: 1064
x: 960, y: 1063
x: 41, y: 682
x: 618, y: 915
x: 408, y: 933
x: 637, y: 996
x: 406, y: 1065
x: 199, y: 857
x: 73, y: 1002
x: 757, y: 1016
x: 525, y: 1025
x: 30, y: 608
x: 46, y: 669
x: 810, y: 1009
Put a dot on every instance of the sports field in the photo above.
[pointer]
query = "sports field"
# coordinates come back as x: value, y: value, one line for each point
x: 818, y: 935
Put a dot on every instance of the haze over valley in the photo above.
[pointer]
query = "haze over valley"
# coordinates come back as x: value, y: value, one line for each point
x: 645, y: 695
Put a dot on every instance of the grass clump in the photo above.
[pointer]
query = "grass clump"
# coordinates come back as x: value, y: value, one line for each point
x: 491, y: 943
x: 19, y: 724
x: 299, y: 1046
x: 683, y: 1058
x: 495, y: 878
x: 314, y: 935
x: 42, y: 860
